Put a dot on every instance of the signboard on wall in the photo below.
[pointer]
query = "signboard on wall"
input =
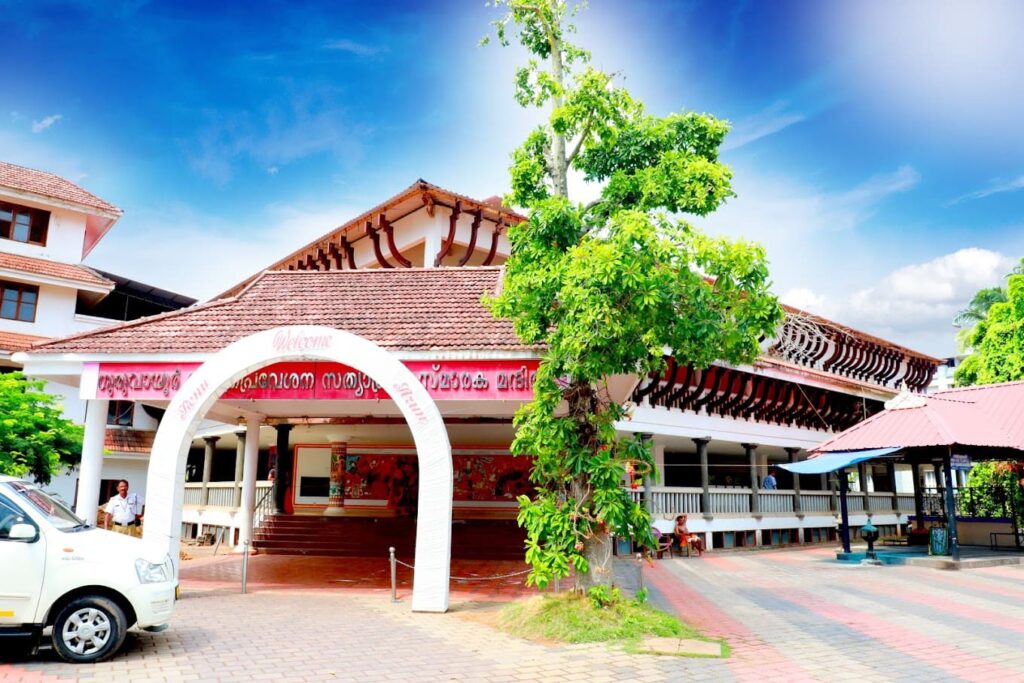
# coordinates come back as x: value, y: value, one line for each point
x: 500, y: 379
x: 960, y: 462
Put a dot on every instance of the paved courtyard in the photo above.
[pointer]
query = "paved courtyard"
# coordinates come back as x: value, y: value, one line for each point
x: 788, y: 616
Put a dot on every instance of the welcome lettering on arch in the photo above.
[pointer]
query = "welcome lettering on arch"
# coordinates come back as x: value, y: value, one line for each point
x: 501, y: 380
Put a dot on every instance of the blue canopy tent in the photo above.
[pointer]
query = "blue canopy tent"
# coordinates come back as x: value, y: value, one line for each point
x: 839, y: 461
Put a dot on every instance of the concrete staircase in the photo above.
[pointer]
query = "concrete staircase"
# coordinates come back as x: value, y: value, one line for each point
x: 484, y: 539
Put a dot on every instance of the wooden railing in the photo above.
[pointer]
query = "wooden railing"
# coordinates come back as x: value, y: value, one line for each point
x: 668, y: 501
x: 906, y: 502
x: 855, y: 501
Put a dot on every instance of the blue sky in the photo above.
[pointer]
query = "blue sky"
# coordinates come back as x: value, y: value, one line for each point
x: 876, y: 146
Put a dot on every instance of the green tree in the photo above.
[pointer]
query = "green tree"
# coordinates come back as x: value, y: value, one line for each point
x: 35, y: 438
x: 607, y: 287
x: 998, y: 341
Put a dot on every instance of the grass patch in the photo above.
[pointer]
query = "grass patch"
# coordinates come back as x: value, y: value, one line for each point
x: 569, y: 618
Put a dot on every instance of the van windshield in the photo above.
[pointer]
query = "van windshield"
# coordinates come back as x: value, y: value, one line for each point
x: 54, y: 511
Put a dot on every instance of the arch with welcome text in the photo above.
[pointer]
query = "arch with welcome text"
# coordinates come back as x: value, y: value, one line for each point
x: 165, y: 483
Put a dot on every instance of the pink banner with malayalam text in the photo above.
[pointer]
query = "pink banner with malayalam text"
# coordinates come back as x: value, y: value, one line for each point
x: 496, y: 380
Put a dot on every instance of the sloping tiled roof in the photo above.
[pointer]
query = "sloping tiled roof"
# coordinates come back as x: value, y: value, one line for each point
x: 65, y: 271
x: 53, y: 186
x: 413, y: 309
x: 128, y: 441
x: 12, y: 342
x: 986, y: 416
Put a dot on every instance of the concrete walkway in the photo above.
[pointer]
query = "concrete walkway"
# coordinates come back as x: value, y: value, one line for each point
x: 788, y: 616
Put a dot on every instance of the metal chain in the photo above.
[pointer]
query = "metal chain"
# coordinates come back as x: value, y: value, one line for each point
x: 473, y: 578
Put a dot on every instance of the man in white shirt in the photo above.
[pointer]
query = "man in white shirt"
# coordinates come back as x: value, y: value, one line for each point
x: 124, y: 511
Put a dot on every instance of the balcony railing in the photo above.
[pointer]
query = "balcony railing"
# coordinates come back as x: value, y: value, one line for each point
x: 668, y: 501
x: 219, y: 494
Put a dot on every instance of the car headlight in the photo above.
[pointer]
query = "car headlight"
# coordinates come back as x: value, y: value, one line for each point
x: 154, y: 573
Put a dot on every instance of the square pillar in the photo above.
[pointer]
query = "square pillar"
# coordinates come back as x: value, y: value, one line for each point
x: 239, y: 467
x: 797, y: 503
x: 283, y: 468
x: 755, y: 498
x: 705, y: 479
x: 954, y: 541
x: 90, y: 471
x: 210, y: 443
x: 890, y: 474
x: 862, y: 475
x: 915, y: 470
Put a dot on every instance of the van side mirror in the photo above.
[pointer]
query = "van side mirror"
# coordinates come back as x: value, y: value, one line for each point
x: 23, y: 532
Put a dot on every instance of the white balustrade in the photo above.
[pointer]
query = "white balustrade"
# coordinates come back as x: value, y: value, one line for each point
x: 855, y: 502
x: 816, y: 501
x: 776, y: 501
x: 906, y: 502
x: 730, y: 501
x: 881, y: 502
x: 222, y: 495
x: 193, y: 495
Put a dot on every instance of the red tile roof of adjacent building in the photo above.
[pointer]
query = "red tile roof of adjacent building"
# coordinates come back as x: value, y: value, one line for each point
x: 53, y: 186
x: 987, y: 416
x: 128, y: 441
x: 12, y: 342
x: 45, y: 267
x: 412, y: 309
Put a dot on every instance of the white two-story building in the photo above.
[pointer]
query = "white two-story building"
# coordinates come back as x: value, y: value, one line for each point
x: 48, y: 226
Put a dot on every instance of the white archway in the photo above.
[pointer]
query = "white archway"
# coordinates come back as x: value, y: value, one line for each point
x: 165, y: 484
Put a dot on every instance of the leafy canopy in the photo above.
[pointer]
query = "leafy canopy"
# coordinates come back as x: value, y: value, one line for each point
x: 35, y: 438
x: 608, y: 287
x: 997, y: 340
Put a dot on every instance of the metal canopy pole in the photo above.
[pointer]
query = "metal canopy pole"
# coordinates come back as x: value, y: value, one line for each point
x: 844, y: 514
x: 954, y: 543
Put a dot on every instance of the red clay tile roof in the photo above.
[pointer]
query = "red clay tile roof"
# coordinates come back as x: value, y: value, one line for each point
x: 65, y: 271
x: 128, y: 441
x: 413, y: 309
x: 12, y: 342
x: 49, y: 185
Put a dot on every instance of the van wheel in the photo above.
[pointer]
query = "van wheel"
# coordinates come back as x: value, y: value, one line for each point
x: 89, y: 629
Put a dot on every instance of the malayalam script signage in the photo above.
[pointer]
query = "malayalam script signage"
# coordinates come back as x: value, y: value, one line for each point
x: 305, y: 380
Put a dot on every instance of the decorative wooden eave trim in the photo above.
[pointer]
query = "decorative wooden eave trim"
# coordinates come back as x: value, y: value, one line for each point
x: 336, y: 256
x: 323, y: 258
x: 428, y: 202
x: 389, y: 233
x: 474, y: 230
x: 375, y: 239
x: 446, y: 246
x: 348, y: 251
x: 499, y: 227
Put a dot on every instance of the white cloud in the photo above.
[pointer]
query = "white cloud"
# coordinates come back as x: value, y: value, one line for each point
x: 914, y: 304
x: 184, y: 250
x: 358, y: 49
x: 43, y: 124
x: 767, y: 122
x: 273, y: 170
x: 997, y: 187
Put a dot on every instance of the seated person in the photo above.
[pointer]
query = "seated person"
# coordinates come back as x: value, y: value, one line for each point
x: 686, y: 538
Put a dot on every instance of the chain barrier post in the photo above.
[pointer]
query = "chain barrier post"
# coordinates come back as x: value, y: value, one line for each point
x: 640, y: 571
x: 558, y: 587
x: 394, y: 570
x: 245, y: 567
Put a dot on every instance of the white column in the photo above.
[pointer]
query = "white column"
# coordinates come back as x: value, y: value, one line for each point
x: 659, y: 461
x: 239, y: 462
x: 252, y: 448
x: 90, y: 472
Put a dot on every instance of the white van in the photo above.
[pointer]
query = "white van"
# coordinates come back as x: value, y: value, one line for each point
x: 88, y: 584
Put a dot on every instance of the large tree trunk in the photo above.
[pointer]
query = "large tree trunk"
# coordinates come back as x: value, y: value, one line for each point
x: 598, y: 551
